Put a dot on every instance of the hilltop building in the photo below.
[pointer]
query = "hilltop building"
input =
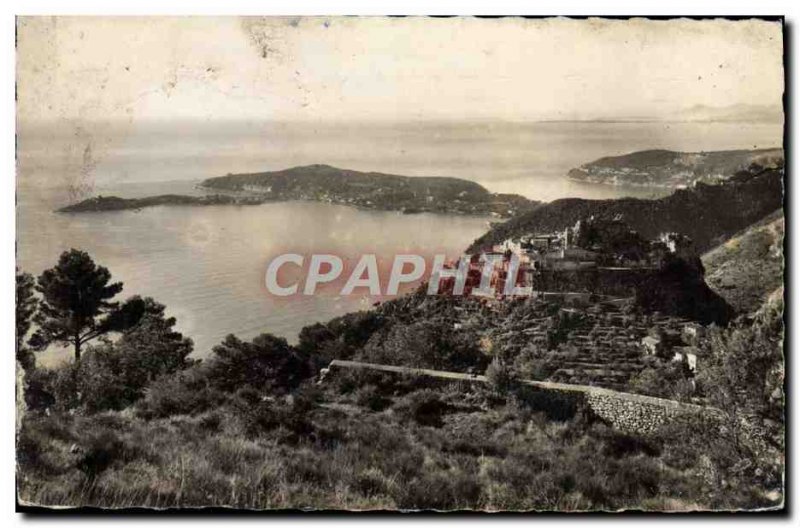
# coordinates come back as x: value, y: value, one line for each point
x: 593, y: 255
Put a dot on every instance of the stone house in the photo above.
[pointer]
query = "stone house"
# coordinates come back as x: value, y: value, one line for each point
x: 652, y: 345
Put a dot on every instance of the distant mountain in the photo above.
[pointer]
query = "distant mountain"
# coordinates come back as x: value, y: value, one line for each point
x: 667, y: 168
x: 707, y: 213
x: 737, y: 113
x: 373, y: 190
x: 740, y: 113
x: 748, y: 267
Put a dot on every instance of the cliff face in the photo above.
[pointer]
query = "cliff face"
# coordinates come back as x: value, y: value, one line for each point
x: 748, y: 267
x: 679, y: 288
x: 373, y: 190
x: 707, y: 213
x: 666, y: 168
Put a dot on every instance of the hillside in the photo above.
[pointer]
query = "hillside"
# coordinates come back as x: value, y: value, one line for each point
x: 707, y: 213
x: 265, y: 431
x: 666, y: 168
x: 748, y: 267
x: 373, y: 190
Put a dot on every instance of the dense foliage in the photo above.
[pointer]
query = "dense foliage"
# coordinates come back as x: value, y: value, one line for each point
x: 374, y: 190
x: 707, y: 214
x: 77, y: 304
x: 26, y: 306
x: 136, y: 422
x: 267, y: 364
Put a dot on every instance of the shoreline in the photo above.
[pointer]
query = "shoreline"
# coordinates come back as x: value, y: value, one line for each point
x: 101, y: 204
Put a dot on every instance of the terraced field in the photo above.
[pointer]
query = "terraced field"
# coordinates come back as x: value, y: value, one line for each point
x: 602, y: 347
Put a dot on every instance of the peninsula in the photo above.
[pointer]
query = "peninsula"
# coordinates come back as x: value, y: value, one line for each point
x: 373, y: 190
x: 667, y: 168
x: 323, y: 183
x: 115, y: 203
x: 708, y: 214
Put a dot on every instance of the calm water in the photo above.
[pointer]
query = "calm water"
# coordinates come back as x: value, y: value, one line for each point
x: 207, y: 264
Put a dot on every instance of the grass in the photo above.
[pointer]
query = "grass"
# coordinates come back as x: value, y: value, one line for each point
x: 749, y: 266
x: 423, y: 450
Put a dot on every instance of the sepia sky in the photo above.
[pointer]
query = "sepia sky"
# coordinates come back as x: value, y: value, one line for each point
x: 388, y: 69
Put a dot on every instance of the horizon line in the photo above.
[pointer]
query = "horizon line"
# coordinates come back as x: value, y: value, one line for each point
x: 156, y: 120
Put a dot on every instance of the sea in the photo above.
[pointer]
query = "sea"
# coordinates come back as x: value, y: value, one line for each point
x: 207, y: 264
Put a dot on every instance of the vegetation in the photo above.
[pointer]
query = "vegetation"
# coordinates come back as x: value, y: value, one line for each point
x: 664, y: 379
x: 427, y: 452
x: 324, y: 183
x: 748, y: 267
x: 679, y: 288
x: 76, y: 304
x: 708, y: 214
x: 136, y: 422
x: 438, y: 448
x: 267, y: 363
x: 666, y: 168
x: 744, y: 374
x: 613, y: 238
x: 373, y: 190
x: 114, y: 375
x: 423, y: 344
x: 26, y: 306
x: 115, y: 203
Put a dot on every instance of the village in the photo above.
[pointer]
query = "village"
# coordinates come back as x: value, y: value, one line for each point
x: 580, y: 319
x: 539, y: 263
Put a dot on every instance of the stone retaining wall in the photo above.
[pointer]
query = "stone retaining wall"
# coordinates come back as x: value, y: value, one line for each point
x: 638, y: 414
x: 633, y: 413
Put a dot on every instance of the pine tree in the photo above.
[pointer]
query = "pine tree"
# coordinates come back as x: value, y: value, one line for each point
x: 77, y: 304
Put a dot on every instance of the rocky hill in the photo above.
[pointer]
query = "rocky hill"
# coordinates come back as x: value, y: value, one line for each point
x: 666, y: 168
x: 708, y: 214
x: 748, y: 267
x: 373, y: 190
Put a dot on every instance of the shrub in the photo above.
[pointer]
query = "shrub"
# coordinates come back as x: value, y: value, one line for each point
x: 104, y: 382
x: 557, y: 406
x: 372, y: 482
x: 65, y: 388
x: 425, y: 407
x: 663, y: 380
x: 291, y: 415
x: 370, y: 397
x: 29, y: 448
x: 439, y: 491
x: 153, y: 348
x: 618, y: 444
x: 186, y: 392
x: 112, y: 376
x: 531, y: 363
x: 339, y: 338
x: 321, y: 345
x: 267, y: 363
x: 632, y: 480
x: 39, y: 383
x: 424, y: 344
x: 100, y: 451
x: 499, y: 376
x: 211, y: 422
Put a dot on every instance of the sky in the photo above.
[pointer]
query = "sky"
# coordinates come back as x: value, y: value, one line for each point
x: 384, y: 69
